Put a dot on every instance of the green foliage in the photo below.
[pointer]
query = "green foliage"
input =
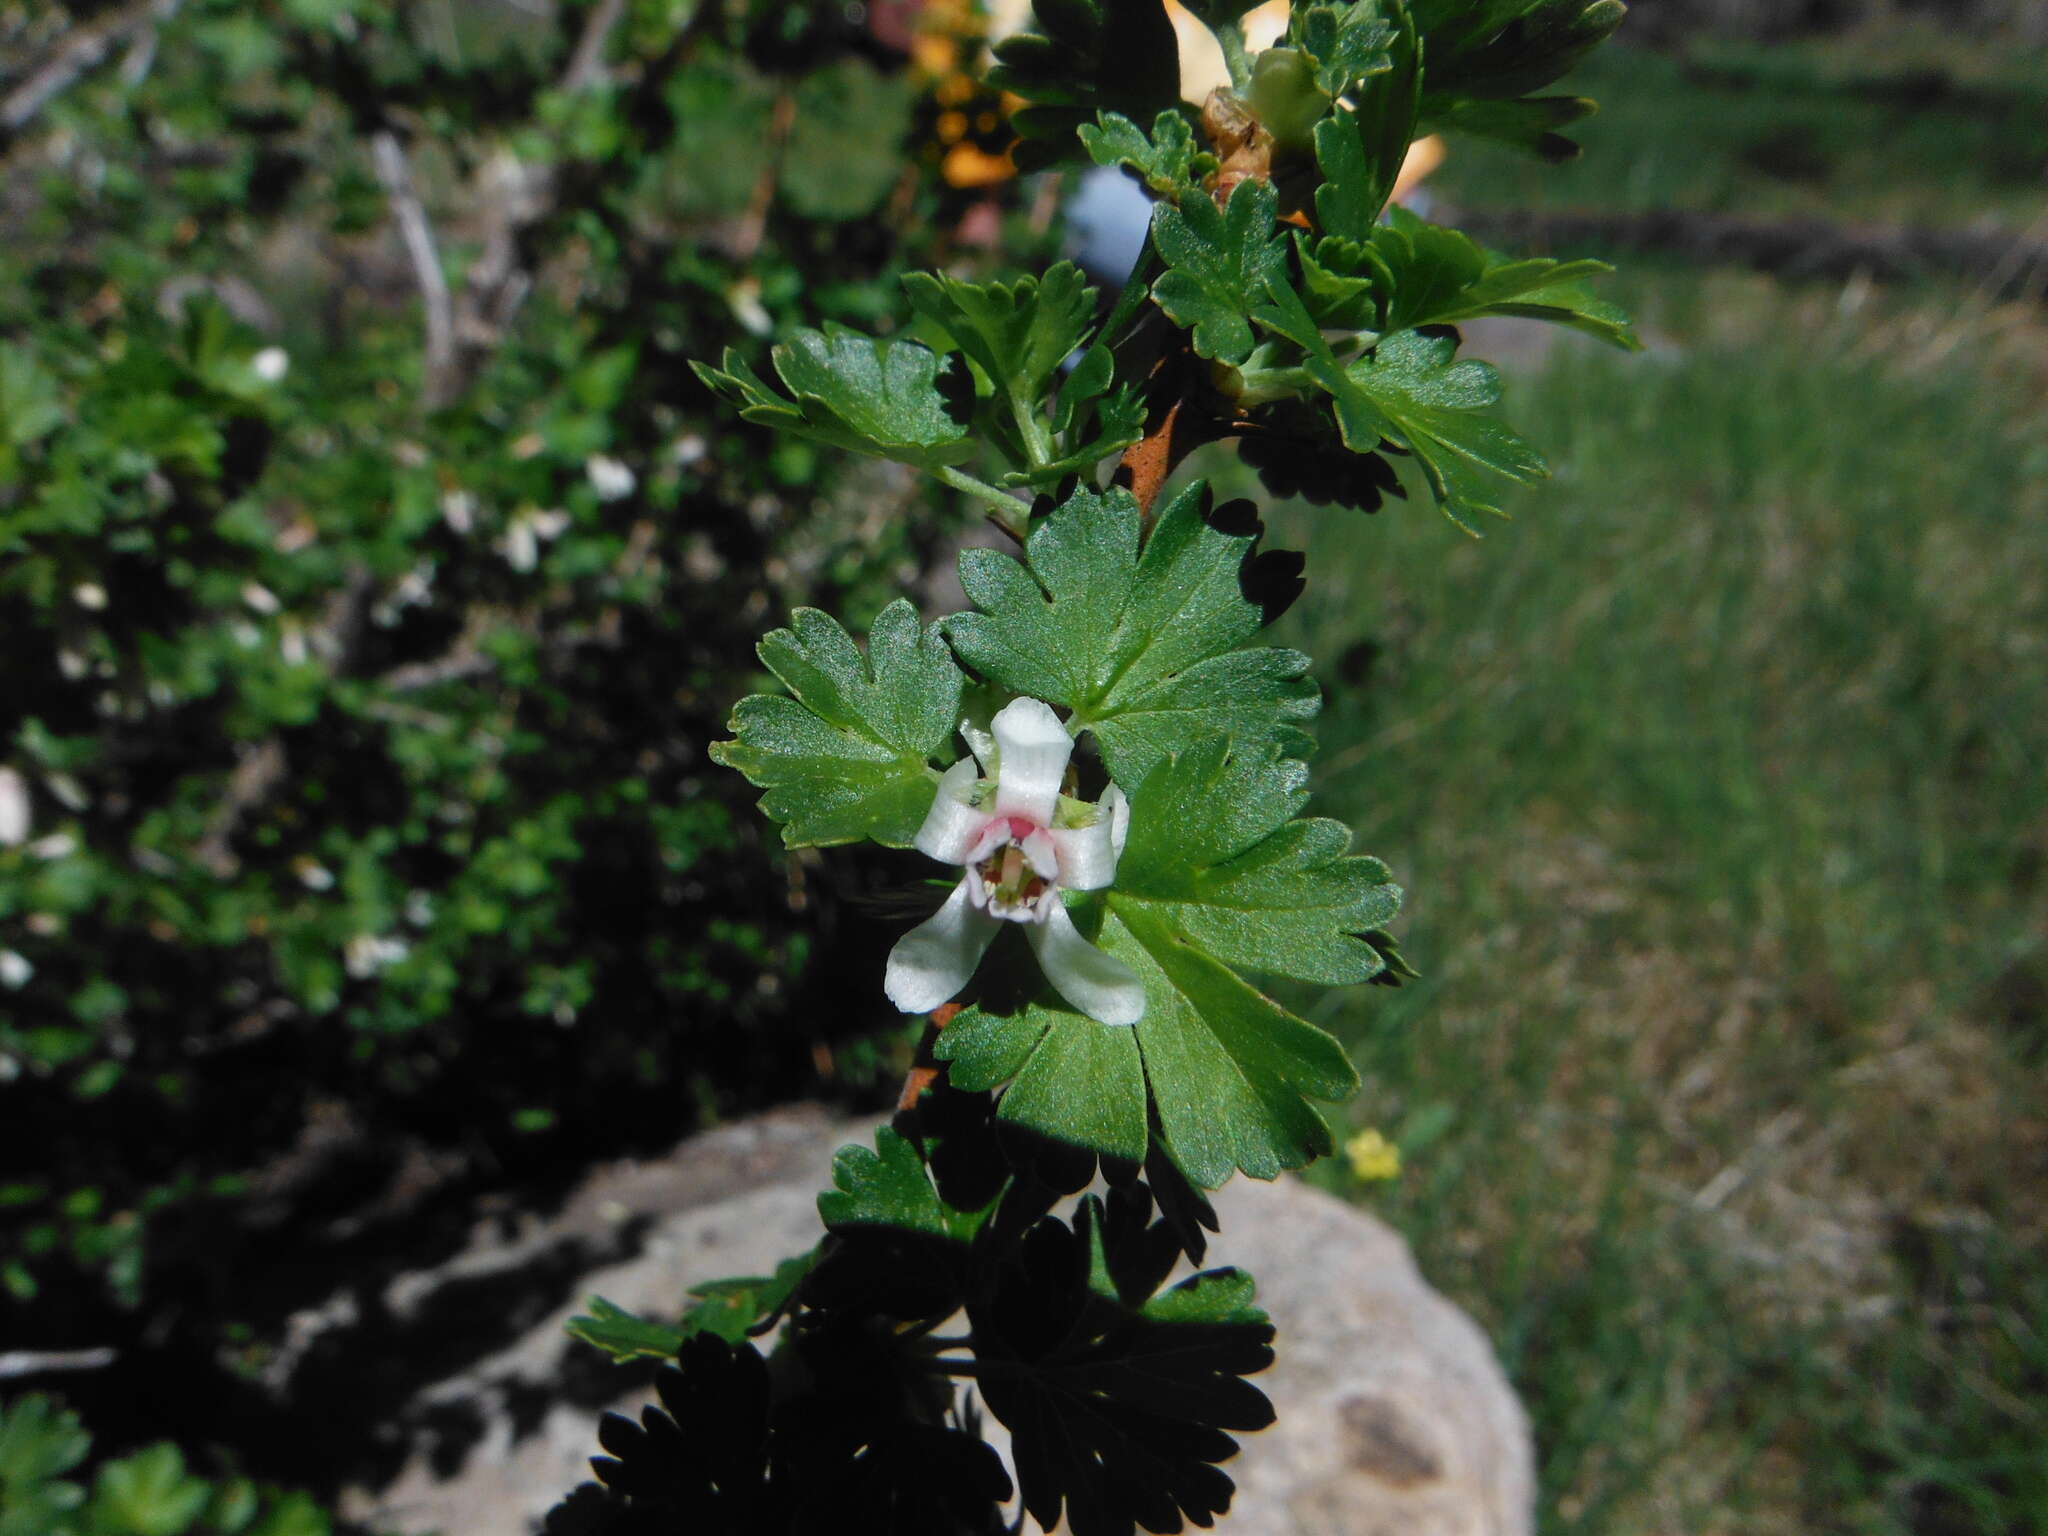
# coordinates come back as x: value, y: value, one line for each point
x: 147, y: 1494
x: 1016, y: 335
x: 1144, y: 640
x: 1222, y: 856
x: 1118, y: 1398
x: 730, y: 1309
x: 1360, y: 153
x: 1169, y: 161
x: 1407, y: 391
x: 850, y: 756
x: 1408, y: 274
x: 854, y: 392
x: 1346, y: 44
x: 889, y: 1188
x: 360, y: 697
x: 1118, y: 1392
x: 1484, y: 60
x: 1219, y: 263
x: 1087, y: 56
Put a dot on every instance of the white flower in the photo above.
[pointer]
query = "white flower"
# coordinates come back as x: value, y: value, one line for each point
x: 366, y: 954
x: 608, y: 477
x: 1023, y: 845
x: 271, y: 364
x: 529, y: 529
x: 14, y: 809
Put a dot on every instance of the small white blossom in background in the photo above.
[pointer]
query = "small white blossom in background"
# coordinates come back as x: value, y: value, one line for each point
x: 366, y: 954
x: 89, y: 594
x: 271, y: 364
x: 608, y: 477
x: 529, y: 529
x: 58, y: 845
x: 14, y: 811
x: 260, y: 597
x: 688, y: 449
x: 313, y: 875
x: 14, y: 970
x: 745, y: 298
x: 67, y: 789
x: 458, y: 509
x: 1022, y: 844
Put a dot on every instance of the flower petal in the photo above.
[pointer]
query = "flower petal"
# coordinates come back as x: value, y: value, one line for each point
x: 1119, y: 810
x: 1042, y: 849
x: 1098, y: 984
x: 935, y: 959
x: 953, y: 823
x: 1034, y: 748
x: 983, y: 746
x: 1087, y: 854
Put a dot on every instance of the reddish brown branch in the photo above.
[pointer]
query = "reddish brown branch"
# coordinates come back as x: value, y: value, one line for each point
x: 925, y: 1069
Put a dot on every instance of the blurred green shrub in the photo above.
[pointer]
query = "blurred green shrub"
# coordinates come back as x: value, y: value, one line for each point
x: 147, y: 1494
x: 371, y: 583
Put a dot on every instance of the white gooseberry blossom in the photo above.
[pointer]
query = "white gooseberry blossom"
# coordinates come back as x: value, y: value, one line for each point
x: 1000, y: 815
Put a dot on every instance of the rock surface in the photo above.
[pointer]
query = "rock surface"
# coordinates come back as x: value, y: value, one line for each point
x: 1394, y: 1416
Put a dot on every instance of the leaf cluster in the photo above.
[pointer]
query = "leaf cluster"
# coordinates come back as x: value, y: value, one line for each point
x: 1120, y: 1392
x: 1148, y: 641
x: 990, y: 370
x: 150, y: 1493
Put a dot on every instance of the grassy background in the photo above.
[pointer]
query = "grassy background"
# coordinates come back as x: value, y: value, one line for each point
x: 1720, y: 781
x: 1889, y: 126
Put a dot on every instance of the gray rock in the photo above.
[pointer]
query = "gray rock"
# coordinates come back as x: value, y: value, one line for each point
x: 1393, y: 1414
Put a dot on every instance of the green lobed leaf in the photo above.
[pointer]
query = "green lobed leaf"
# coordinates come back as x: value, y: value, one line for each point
x: 845, y: 150
x: 1118, y: 1400
x: 148, y: 1494
x: 1071, y: 1079
x: 1438, y: 410
x: 1409, y: 392
x: 729, y: 1308
x: 1410, y: 274
x: 851, y: 755
x: 1018, y: 334
x: 1217, y: 850
x: 1232, y: 1073
x: 1348, y: 42
x: 1219, y: 875
x: 1219, y: 265
x: 1145, y: 645
x: 873, y: 396
x: 890, y: 1188
x: 1171, y: 161
x: 625, y: 1335
x: 1361, y: 152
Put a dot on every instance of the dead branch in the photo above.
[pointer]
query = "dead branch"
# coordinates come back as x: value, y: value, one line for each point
x: 586, y: 65
x: 80, y: 51
x: 437, y: 387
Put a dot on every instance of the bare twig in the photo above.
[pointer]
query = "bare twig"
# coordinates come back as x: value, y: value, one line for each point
x: 586, y: 65
x: 81, y: 50
x: 438, y: 385
x: 17, y: 1363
